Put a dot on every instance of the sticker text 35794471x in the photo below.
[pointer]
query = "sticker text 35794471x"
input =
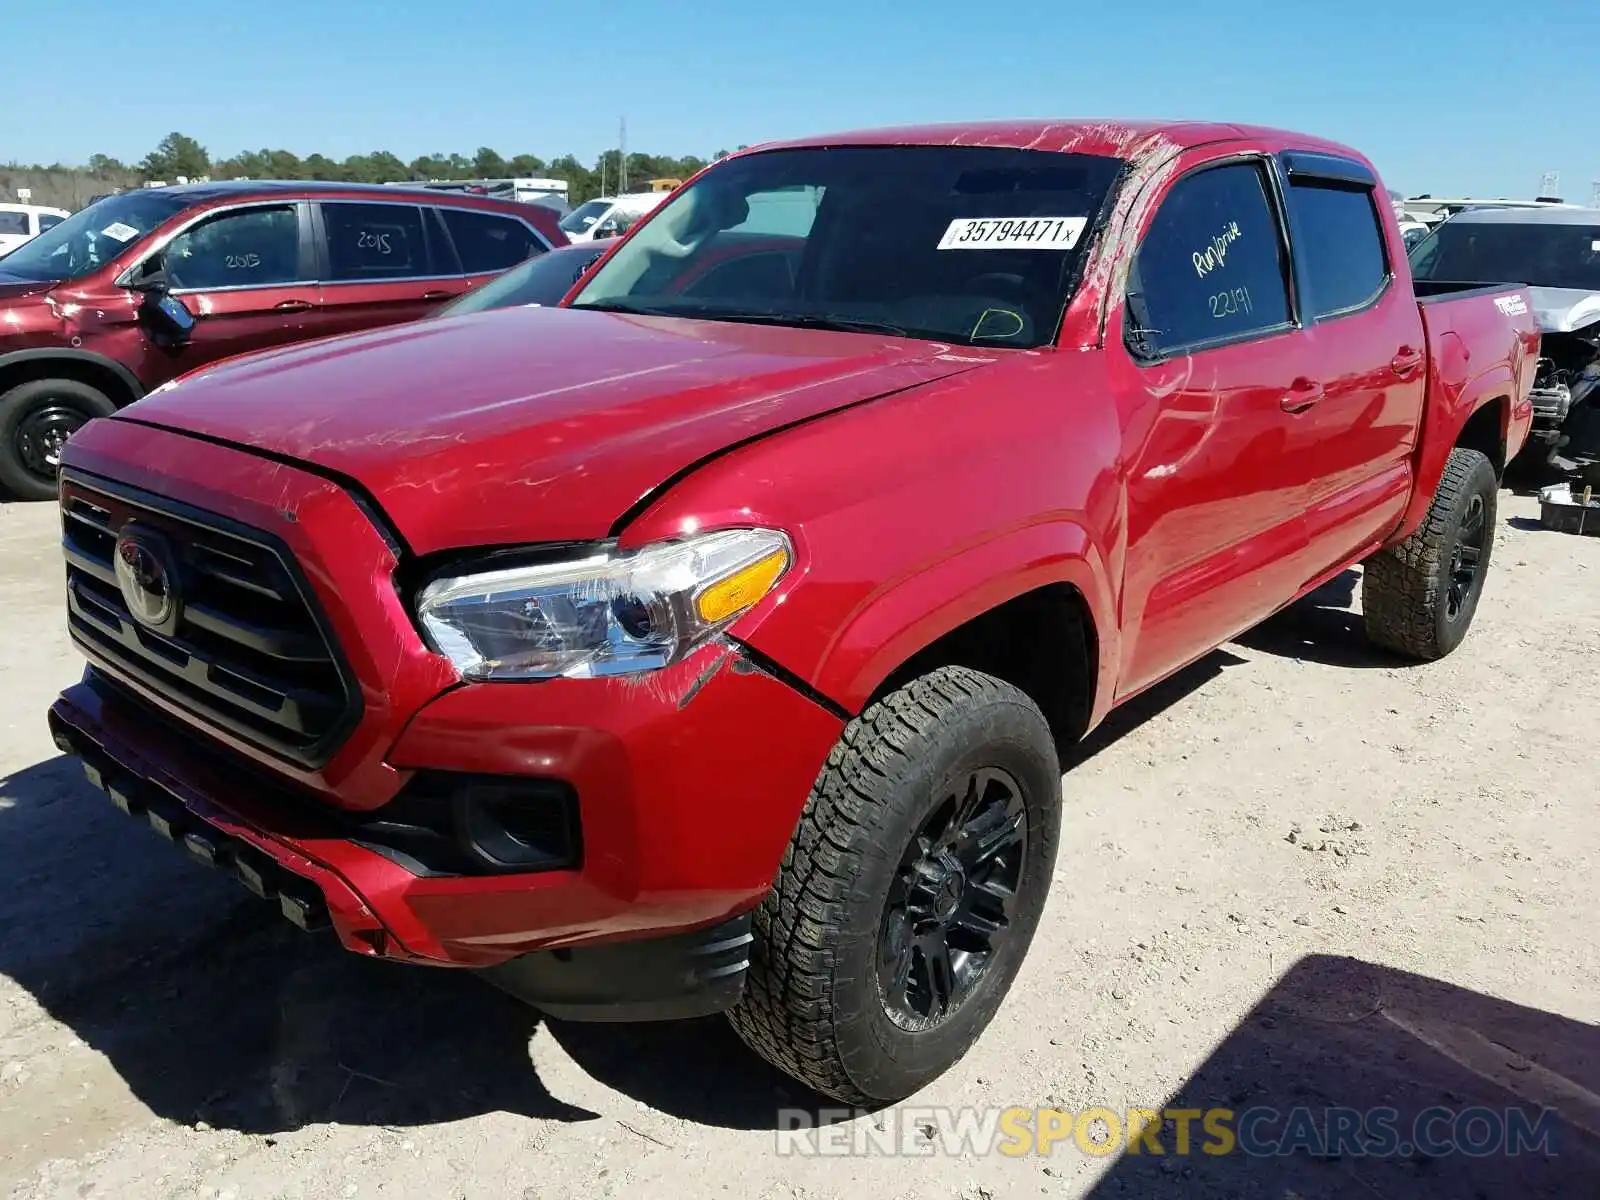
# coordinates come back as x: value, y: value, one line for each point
x: 1013, y: 233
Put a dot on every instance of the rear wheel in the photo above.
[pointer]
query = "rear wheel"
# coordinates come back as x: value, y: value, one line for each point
x: 1419, y: 597
x: 910, y: 891
x: 36, y: 419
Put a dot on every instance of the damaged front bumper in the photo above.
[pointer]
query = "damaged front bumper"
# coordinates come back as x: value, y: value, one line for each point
x: 686, y: 790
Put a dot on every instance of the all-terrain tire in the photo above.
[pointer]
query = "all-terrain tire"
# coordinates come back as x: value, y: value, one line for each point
x: 30, y: 414
x: 1411, y: 593
x: 814, y: 1004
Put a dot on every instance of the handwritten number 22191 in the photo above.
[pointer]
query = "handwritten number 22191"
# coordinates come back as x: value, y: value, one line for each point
x: 1229, y: 303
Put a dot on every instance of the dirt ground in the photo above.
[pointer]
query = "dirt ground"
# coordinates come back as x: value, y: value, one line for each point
x: 1298, y: 874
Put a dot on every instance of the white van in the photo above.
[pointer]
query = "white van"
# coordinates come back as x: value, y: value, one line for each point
x: 19, y: 222
x: 608, y: 216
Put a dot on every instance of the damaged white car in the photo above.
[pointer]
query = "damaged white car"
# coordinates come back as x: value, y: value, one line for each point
x: 1556, y: 252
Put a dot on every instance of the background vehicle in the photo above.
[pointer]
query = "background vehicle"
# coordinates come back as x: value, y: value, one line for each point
x: 609, y: 216
x: 1555, y: 249
x: 148, y: 284
x: 711, y: 640
x: 549, y: 192
x: 539, y: 281
x: 20, y: 222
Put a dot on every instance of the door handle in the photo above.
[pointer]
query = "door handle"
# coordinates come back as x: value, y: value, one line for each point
x: 1406, y: 362
x: 1302, y: 394
x: 440, y: 294
x: 293, y: 305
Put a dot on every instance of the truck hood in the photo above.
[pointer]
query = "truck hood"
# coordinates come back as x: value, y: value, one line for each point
x: 533, y: 424
x: 1564, y: 310
x: 12, y: 288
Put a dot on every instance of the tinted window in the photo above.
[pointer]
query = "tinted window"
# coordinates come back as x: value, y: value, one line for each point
x: 486, y: 242
x: 543, y: 280
x: 1211, y: 265
x: 49, y: 221
x: 258, y: 247
x: 1532, y: 251
x: 752, y: 275
x: 1338, y: 245
x: 790, y: 212
x: 375, y: 241
x: 14, y: 222
x: 973, y: 244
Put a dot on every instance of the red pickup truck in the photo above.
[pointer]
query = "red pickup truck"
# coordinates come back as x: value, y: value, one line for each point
x: 710, y: 646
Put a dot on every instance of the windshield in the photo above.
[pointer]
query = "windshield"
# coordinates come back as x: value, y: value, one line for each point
x: 585, y: 215
x: 1540, y: 254
x: 969, y: 244
x: 92, y: 237
x: 541, y: 280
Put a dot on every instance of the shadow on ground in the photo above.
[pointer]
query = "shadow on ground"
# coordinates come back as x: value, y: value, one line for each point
x: 1322, y: 627
x: 1446, y: 1071
x: 212, y: 1007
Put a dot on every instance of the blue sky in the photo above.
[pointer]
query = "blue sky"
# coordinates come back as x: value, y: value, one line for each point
x: 1478, y: 96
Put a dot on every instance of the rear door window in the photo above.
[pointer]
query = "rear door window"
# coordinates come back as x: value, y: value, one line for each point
x: 786, y: 211
x: 1338, y: 245
x: 486, y: 242
x: 376, y: 242
x: 254, y: 247
x: 761, y: 276
x: 14, y: 222
x: 1210, y: 268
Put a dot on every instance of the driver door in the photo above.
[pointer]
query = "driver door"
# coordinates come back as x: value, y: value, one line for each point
x: 247, y: 275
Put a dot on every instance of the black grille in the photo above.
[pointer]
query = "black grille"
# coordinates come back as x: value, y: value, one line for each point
x: 249, y: 653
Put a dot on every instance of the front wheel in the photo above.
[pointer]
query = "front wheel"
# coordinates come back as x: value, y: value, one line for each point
x: 1419, y: 596
x: 36, y: 419
x: 910, y: 891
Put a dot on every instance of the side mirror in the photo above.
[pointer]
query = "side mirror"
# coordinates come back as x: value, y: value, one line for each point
x: 150, y: 277
x: 167, y: 318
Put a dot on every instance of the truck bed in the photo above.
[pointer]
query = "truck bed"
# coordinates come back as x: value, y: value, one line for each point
x: 1429, y: 291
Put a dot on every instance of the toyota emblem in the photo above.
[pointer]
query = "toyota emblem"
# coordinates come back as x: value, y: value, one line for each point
x: 148, y: 578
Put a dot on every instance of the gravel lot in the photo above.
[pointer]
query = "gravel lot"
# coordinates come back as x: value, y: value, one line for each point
x: 1298, y: 874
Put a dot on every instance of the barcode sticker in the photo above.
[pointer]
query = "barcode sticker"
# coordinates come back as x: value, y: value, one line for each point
x: 1013, y: 233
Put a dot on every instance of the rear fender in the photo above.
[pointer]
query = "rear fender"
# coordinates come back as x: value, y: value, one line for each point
x: 911, y: 612
x: 1454, y: 397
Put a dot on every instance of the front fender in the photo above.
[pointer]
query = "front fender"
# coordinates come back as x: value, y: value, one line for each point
x: 909, y: 612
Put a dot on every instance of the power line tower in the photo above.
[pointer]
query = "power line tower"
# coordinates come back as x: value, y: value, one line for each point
x: 1594, y: 194
x: 622, y: 156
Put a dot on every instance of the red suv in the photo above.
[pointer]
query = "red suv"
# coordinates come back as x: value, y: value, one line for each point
x: 145, y: 285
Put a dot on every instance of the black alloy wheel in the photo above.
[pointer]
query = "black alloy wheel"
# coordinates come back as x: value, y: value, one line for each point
x: 950, y: 906
x: 1467, y: 557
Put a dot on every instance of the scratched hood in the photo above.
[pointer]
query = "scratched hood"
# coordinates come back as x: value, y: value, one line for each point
x: 539, y: 424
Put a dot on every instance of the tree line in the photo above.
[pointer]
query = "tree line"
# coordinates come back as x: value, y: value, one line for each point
x: 179, y: 154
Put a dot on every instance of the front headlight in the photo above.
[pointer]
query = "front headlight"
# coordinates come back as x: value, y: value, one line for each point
x: 604, y: 615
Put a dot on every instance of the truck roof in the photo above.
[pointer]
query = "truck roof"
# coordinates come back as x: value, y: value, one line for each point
x: 1119, y: 139
x: 231, y: 188
x: 1543, y: 214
